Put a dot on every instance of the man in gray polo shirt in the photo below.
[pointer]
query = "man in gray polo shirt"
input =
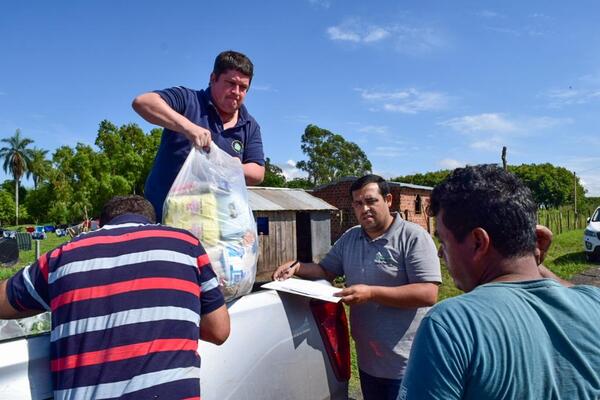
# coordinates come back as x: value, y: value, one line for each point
x: 392, y: 275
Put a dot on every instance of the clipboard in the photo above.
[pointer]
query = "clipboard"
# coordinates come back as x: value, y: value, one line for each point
x: 302, y: 287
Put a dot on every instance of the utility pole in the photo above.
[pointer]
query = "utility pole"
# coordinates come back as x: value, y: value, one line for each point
x: 504, y: 158
x: 575, y: 175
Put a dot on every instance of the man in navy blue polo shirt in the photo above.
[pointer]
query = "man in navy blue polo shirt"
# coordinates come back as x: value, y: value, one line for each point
x: 199, y: 117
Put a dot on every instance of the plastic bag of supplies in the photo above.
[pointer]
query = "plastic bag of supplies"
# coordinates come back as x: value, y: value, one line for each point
x: 209, y: 198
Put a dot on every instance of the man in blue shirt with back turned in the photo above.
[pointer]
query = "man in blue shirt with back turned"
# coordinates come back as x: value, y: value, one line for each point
x: 514, y: 334
x: 199, y: 117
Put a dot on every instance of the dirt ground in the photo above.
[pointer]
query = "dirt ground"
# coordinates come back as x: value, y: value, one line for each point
x: 589, y: 277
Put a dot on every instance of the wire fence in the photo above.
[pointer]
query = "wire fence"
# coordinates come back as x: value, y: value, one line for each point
x: 562, y: 220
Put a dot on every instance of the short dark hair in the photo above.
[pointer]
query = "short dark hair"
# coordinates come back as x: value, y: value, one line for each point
x: 120, y: 205
x: 361, y: 182
x: 230, y: 59
x: 489, y: 197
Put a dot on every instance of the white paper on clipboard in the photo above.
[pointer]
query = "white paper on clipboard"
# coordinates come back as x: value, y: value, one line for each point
x: 306, y: 288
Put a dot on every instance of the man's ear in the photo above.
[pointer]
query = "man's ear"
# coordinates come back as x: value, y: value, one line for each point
x: 388, y: 199
x: 543, y: 242
x: 213, y: 78
x: 480, y: 242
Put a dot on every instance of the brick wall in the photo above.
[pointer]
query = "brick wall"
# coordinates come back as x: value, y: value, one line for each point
x: 403, y: 201
x: 338, y: 195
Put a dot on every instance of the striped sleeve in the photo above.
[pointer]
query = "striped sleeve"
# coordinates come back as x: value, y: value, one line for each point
x: 28, y: 288
x: 211, y: 297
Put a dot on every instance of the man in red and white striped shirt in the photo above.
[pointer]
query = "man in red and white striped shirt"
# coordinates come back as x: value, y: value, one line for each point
x: 129, y: 302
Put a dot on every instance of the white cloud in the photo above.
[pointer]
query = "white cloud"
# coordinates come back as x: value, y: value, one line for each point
x: 504, y: 30
x: 540, y: 16
x: 540, y: 123
x: 298, y: 118
x: 570, y: 96
x: 591, y: 182
x: 491, y: 131
x: 320, y: 3
x: 290, y: 171
x: 413, y: 41
x: 588, y: 171
x: 481, y: 122
x: 356, y: 33
x: 489, y: 14
x: 501, y: 124
x: 409, y: 101
x: 376, y: 35
x: 488, y: 144
x: 532, y: 25
x: 592, y: 79
x: 388, y: 151
x: 449, y: 163
x: 406, y: 39
x: 381, y: 130
x: 263, y: 88
x: 337, y: 33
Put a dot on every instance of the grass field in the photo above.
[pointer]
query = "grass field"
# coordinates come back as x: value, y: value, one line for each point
x: 27, y: 257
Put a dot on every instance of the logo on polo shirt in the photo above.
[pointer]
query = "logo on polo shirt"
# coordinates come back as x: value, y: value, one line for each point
x: 237, y: 146
x: 383, y: 258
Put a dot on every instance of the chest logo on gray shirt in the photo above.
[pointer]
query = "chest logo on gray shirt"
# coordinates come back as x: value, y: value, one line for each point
x: 237, y: 146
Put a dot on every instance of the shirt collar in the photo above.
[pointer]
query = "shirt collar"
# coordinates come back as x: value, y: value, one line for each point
x: 129, y: 218
x: 395, y: 224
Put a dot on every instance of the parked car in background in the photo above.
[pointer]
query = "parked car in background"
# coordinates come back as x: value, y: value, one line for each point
x: 591, y: 237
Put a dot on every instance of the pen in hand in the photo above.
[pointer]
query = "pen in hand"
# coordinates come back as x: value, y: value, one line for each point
x: 293, y: 265
x: 282, y: 275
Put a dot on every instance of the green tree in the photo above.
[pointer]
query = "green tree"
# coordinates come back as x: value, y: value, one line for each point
x: 40, y: 167
x: 38, y: 201
x: 273, y: 175
x: 130, y: 152
x: 299, y: 183
x: 17, y: 160
x: 84, y: 179
x: 552, y: 186
x: 425, y: 179
x: 330, y: 156
x: 9, y: 187
x: 7, y: 207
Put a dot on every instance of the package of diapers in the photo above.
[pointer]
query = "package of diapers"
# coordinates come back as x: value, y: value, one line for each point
x: 209, y: 198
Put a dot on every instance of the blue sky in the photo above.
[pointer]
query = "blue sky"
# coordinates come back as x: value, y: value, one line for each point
x: 419, y: 85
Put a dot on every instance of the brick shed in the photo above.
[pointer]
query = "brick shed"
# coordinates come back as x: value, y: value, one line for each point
x: 408, y: 199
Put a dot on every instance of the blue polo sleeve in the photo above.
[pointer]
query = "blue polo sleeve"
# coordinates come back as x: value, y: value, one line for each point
x: 253, y: 148
x: 177, y: 97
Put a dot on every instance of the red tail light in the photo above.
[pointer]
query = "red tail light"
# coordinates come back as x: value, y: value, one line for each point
x: 333, y: 326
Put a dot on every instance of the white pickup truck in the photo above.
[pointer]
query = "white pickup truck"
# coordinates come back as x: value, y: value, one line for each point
x: 282, y: 346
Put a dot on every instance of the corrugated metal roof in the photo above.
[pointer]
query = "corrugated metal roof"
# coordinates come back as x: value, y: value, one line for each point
x: 409, y: 185
x: 280, y: 199
x: 391, y: 183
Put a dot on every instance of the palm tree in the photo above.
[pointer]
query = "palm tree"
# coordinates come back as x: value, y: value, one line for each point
x: 39, y: 167
x: 17, y: 160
